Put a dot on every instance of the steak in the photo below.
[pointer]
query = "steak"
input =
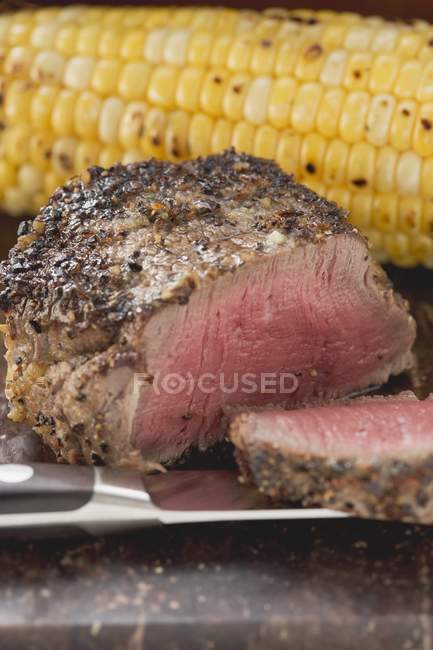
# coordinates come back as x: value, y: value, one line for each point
x: 372, y: 457
x: 134, y: 283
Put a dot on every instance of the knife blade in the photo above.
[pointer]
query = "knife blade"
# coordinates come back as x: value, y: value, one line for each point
x: 103, y: 500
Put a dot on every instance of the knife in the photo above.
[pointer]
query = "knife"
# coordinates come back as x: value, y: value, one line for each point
x: 102, y: 500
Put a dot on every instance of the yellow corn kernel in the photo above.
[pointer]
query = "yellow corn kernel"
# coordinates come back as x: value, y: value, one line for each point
x: 408, y: 173
x: 335, y: 163
x: 177, y: 135
x: 189, y: 88
x: 357, y: 71
x: 408, y: 79
x: 52, y: 181
x: 385, y: 39
x: 379, y: 119
x: 353, y: 116
x: 132, y: 125
x: 30, y: 179
x: 305, y: 107
x: 314, y: 184
x: 221, y: 136
x: 110, y: 155
x: 63, y: 115
x: 280, y: 102
x: 66, y: 39
x: 162, y: 86
x: 334, y: 68
x: 7, y: 175
x: 48, y: 67
x: 359, y: 37
x: 423, y: 133
x: 361, y: 210
x: 361, y: 166
x: 176, y: 47
x: 110, y: 42
x: 288, y: 151
x: 15, y: 201
x: 154, y: 46
x: 200, y: 47
x: 133, y: 45
x: 410, y: 217
x: 402, y: 125
x: 131, y: 156
x: 200, y: 134
x: 134, y: 80
x: 313, y: 151
x: 87, y: 154
x: 220, y: 50
x: 421, y: 247
x: 426, y: 178
x: 341, y: 196
x: 286, y: 58
x: 17, y: 102
x: 334, y: 35
x: 310, y: 62
x: 427, y: 219
x: 234, y: 97
x: 87, y: 111
x: 265, y: 142
x: 106, y: 76
x: 397, y: 245
x: 42, y: 106
x: 408, y: 45
x: 19, y: 31
x: 385, y: 213
x: 385, y: 173
x: 384, y: 73
x: 5, y: 23
x: 257, y: 100
x: 79, y: 72
x: 425, y: 88
x: 63, y: 157
x: 40, y: 150
x: 88, y: 40
x: 240, y: 54
x: 243, y: 137
x: 109, y: 120
x: 328, y: 115
x: 212, y: 92
x: 154, y: 135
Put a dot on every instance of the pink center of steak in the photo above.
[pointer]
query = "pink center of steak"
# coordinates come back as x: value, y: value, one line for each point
x: 367, y: 431
x: 314, y: 318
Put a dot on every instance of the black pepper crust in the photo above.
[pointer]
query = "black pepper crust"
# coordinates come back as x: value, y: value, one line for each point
x: 392, y: 488
x: 187, y: 216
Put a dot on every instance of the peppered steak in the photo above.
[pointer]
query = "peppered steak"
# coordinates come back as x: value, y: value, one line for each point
x: 135, y: 284
x: 372, y: 457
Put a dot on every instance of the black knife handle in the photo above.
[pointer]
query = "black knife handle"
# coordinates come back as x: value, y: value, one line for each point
x: 43, y: 487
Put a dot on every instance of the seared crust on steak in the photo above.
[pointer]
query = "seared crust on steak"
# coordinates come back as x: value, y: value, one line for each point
x: 109, y: 250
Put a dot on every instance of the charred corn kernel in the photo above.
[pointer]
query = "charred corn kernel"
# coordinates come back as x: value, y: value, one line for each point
x: 109, y: 120
x: 328, y: 115
x: 162, y: 86
x: 40, y: 150
x: 63, y: 115
x: 87, y: 111
x: 200, y: 134
x: 221, y: 136
x: 309, y: 94
x: 313, y: 151
x: 385, y: 172
x: 402, y: 125
x: 106, y: 76
x: 385, y: 213
x: 423, y: 133
x: 335, y: 163
x: 281, y: 97
x: 86, y: 154
x: 288, y: 151
x: 265, y: 142
x: 132, y: 125
x: 343, y: 102
x: 408, y: 173
x: 176, y: 136
x: 110, y: 155
x: 63, y: 156
x: 48, y: 67
x: 212, y: 92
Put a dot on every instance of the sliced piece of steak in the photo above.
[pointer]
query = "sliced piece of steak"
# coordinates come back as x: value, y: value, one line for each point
x: 371, y: 457
x: 135, y: 283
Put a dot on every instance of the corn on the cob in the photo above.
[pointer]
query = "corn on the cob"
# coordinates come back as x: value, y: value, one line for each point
x: 343, y: 102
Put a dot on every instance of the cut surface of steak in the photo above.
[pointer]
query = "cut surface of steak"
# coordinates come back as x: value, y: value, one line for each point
x: 148, y: 300
x: 372, y: 457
